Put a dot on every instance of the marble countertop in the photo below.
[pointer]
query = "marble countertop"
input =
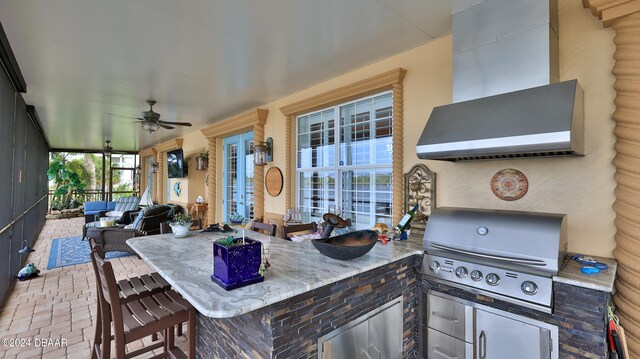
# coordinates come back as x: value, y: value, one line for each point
x: 603, y: 281
x: 296, y: 268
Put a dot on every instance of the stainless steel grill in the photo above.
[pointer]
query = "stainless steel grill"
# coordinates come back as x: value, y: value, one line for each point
x: 505, y: 254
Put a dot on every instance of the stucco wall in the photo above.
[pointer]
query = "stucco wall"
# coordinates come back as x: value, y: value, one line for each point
x: 193, y: 185
x: 582, y: 187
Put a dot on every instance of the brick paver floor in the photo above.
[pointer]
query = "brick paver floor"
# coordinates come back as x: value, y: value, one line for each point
x: 58, y: 307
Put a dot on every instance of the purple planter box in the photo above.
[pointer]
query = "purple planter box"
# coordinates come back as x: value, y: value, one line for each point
x: 237, y: 266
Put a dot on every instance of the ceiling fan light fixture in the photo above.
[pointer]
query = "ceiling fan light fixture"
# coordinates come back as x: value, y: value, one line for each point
x: 150, y: 126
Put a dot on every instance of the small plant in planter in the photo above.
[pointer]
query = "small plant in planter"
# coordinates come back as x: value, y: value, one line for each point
x: 236, y: 217
x: 237, y: 262
x: 180, y: 224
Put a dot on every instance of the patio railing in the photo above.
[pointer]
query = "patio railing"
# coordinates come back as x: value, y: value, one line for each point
x: 95, y: 195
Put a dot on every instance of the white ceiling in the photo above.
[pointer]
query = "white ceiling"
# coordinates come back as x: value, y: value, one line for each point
x: 202, y: 60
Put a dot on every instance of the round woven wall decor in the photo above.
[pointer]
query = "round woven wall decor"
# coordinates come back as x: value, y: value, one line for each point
x: 509, y: 184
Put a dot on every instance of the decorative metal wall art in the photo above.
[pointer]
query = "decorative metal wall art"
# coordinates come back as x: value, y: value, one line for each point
x: 420, y: 188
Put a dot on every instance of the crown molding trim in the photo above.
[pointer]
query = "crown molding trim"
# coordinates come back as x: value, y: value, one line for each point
x: 380, y: 82
x: 237, y: 123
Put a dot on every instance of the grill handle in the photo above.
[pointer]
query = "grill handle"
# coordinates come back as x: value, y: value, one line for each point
x: 534, y: 262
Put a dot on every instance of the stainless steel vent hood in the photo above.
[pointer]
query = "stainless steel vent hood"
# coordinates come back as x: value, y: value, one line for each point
x: 542, y: 121
x: 507, y: 104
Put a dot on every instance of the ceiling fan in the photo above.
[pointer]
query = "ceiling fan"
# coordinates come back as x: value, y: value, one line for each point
x: 150, y: 120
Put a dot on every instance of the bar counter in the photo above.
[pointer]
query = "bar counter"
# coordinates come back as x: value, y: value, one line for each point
x: 304, y: 295
x: 296, y: 268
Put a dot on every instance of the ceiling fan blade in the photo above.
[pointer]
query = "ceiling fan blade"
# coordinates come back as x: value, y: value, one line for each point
x: 165, y: 126
x: 116, y: 115
x: 177, y: 123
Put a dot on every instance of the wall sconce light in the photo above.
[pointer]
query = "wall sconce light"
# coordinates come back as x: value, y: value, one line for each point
x: 263, y: 152
x: 202, y: 162
x: 155, y: 167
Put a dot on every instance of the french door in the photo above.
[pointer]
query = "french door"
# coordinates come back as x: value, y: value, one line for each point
x: 238, y: 175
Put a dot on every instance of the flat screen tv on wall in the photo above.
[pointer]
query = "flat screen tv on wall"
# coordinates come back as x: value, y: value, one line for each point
x: 175, y: 164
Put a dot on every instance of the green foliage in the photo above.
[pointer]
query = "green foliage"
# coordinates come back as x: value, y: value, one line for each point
x: 230, y: 241
x: 122, y: 187
x: 97, y: 161
x: 77, y: 165
x: 70, y: 188
x: 181, y: 219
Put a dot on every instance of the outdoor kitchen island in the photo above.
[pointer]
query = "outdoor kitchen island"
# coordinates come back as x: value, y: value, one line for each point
x: 303, y: 297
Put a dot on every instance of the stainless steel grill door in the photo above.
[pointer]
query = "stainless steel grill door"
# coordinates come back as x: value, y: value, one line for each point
x: 498, y: 337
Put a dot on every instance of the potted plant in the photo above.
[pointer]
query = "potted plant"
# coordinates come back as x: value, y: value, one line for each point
x: 180, y: 224
x: 237, y: 262
x: 236, y: 217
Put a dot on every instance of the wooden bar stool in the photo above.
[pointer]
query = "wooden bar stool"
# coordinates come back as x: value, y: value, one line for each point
x: 269, y: 229
x: 137, y: 314
x: 147, y: 283
x: 298, y: 228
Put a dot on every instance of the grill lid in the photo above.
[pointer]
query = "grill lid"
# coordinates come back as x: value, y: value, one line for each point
x: 525, y: 241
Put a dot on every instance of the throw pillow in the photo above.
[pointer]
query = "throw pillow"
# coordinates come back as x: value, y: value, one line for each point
x: 114, y: 214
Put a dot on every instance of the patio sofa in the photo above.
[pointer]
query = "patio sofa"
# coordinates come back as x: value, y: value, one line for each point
x: 122, y: 211
x: 93, y: 209
x: 148, y: 221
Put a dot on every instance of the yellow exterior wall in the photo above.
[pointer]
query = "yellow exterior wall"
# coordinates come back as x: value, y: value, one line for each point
x: 581, y: 187
x: 194, y: 184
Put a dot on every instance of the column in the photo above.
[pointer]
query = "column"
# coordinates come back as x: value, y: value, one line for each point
x: 143, y: 178
x: 159, y: 188
x: 211, y: 182
x: 398, y: 136
x: 258, y: 176
x: 627, y: 162
x: 154, y: 183
x: 288, y: 166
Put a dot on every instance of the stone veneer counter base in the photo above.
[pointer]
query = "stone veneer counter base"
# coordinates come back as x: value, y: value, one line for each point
x: 291, y: 328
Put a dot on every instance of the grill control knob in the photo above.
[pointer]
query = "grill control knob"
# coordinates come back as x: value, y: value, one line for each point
x: 434, y: 266
x: 493, y: 279
x: 528, y: 287
x: 461, y: 272
x: 476, y: 275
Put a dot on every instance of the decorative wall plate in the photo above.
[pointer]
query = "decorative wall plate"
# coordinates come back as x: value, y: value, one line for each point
x: 509, y: 184
x: 273, y: 181
x: 177, y: 189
